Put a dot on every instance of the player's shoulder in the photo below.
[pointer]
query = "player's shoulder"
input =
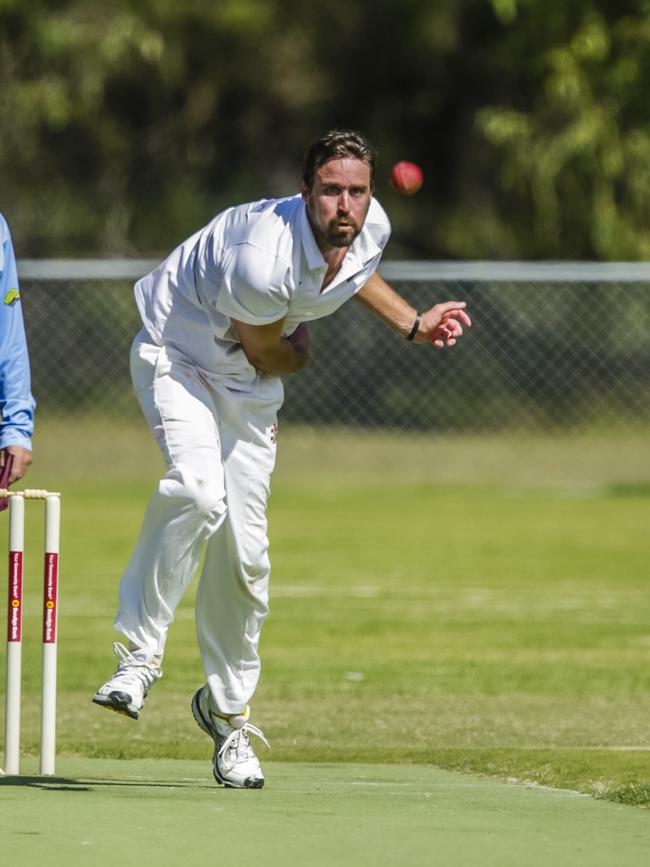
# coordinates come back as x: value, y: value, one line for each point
x: 273, y: 224
x: 259, y: 241
x: 266, y: 227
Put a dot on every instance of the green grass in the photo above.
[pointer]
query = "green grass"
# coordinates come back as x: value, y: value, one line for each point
x: 502, y: 629
x: 169, y: 812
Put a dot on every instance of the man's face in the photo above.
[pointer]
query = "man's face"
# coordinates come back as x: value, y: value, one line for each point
x: 338, y: 202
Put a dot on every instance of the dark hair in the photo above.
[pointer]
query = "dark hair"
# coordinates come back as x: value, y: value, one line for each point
x: 337, y: 144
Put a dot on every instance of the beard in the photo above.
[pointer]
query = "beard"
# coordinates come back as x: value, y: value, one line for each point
x: 338, y: 235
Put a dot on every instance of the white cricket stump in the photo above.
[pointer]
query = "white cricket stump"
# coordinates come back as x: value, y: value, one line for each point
x: 14, y: 627
x: 50, y: 611
x: 14, y: 634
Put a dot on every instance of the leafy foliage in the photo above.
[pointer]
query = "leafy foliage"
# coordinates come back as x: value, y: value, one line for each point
x: 128, y: 125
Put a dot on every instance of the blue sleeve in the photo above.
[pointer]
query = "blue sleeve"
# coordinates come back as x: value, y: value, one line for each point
x: 16, y: 401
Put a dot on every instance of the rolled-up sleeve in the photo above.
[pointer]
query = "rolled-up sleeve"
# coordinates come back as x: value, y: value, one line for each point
x: 16, y: 402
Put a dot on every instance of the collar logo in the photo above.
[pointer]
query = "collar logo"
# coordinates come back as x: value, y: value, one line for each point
x: 11, y: 296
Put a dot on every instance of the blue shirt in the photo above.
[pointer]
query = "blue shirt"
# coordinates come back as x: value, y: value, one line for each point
x: 16, y: 401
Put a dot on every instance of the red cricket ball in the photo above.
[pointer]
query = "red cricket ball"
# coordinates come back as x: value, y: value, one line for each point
x: 406, y: 178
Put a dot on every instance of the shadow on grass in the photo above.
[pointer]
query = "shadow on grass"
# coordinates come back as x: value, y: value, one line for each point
x: 64, y: 784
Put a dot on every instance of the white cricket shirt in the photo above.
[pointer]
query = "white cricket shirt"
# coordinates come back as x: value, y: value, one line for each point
x: 257, y: 263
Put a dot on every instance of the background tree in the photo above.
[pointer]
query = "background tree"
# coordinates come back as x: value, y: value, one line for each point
x: 127, y: 125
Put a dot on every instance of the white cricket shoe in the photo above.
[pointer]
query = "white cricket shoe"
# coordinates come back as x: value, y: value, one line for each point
x: 234, y: 763
x: 126, y: 691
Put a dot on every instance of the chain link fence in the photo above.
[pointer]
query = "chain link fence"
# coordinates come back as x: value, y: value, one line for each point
x: 555, y: 347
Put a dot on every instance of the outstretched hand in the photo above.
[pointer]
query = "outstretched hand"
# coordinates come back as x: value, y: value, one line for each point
x: 443, y: 324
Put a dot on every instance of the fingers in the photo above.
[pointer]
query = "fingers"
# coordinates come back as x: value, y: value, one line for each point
x: 446, y: 333
x: 22, y: 458
x: 453, y: 326
x: 444, y: 323
x: 449, y: 306
x: 457, y: 315
x: 443, y: 338
x: 442, y: 313
x: 17, y: 472
x: 464, y: 318
x: 442, y: 342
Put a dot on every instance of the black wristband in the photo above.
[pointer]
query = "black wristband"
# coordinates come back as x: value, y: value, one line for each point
x: 414, y: 330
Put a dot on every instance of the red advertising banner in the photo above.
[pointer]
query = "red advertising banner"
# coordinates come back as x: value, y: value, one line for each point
x: 15, y: 612
x: 50, y: 587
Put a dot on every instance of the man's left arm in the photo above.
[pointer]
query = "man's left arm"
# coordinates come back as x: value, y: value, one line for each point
x: 16, y: 401
x: 441, y: 325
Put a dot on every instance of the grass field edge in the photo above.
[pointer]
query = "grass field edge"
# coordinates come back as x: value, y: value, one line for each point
x: 603, y: 773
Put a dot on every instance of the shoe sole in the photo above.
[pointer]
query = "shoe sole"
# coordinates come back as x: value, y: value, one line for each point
x: 110, y: 703
x: 197, y: 713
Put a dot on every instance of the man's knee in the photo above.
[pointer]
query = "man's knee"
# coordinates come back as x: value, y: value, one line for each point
x: 254, y: 560
x: 203, y: 494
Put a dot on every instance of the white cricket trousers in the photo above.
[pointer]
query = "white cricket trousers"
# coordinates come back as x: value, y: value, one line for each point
x: 219, y: 448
